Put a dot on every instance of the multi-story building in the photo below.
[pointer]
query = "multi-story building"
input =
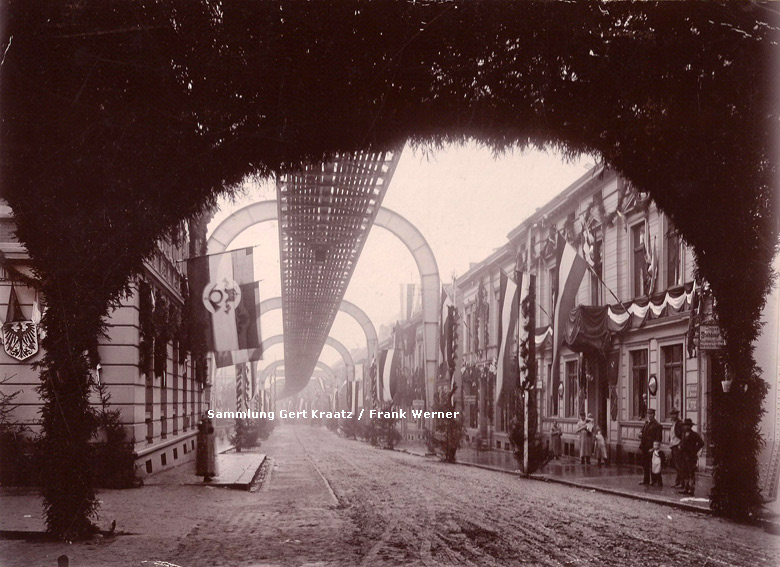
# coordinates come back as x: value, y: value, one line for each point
x: 642, y: 334
x: 618, y: 361
x: 158, y: 387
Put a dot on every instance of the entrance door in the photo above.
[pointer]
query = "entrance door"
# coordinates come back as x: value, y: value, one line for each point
x: 598, y: 392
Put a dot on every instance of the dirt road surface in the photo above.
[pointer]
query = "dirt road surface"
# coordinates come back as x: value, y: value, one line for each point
x: 328, y: 501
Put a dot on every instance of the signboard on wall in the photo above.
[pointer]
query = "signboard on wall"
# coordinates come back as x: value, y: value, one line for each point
x: 418, y: 404
x: 710, y: 338
x: 691, y: 397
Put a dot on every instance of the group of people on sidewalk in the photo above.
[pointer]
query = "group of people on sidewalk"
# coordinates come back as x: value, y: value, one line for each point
x: 684, y: 442
x: 591, y: 441
x: 685, y: 445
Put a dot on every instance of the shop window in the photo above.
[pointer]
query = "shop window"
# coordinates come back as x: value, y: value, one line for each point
x: 638, y: 383
x: 638, y: 259
x: 571, y: 388
x: 672, y: 379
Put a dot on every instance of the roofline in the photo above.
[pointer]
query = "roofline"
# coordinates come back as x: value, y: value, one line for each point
x: 600, y: 172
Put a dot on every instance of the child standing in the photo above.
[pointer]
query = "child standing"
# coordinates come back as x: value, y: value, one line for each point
x: 657, y: 464
x: 600, y: 446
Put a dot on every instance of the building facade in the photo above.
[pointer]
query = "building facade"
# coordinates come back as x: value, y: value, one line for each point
x: 159, y: 388
x: 616, y: 362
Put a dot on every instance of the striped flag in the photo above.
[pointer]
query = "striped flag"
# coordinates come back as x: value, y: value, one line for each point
x: 224, y: 300
x: 570, y: 270
x: 223, y: 359
x: 388, y: 370
x: 507, y: 320
x: 356, y: 396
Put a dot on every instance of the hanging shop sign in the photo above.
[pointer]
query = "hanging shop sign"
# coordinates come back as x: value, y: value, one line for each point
x: 710, y: 338
x: 470, y: 398
x: 418, y: 404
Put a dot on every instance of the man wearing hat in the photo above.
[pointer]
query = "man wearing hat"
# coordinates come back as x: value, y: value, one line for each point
x: 651, y: 431
x: 674, y: 442
x: 690, y: 445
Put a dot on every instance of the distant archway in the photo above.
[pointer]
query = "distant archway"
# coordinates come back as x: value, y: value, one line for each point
x: 330, y: 341
x: 346, y: 307
x: 265, y: 211
x: 266, y: 372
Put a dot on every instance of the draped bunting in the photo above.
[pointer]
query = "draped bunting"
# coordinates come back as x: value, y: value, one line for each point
x: 590, y: 328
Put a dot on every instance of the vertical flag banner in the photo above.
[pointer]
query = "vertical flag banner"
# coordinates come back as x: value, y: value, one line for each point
x: 224, y: 300
x: 507, y: 319
x: 409, y: 300
x: 527, y: 329
x: 355, y: 396
x: 446, y: 329
x: 226, y: 358
x: 570, y: 271
x: 388, y: 363
x: 374, y: 379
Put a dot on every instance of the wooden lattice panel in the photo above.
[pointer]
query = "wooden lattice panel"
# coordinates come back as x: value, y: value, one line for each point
x: 325, y: 214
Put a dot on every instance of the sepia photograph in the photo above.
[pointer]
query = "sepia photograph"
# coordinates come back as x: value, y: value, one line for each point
x: 426, y: 283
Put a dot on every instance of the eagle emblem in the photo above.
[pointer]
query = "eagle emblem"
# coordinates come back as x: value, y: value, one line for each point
x: 20, y: 339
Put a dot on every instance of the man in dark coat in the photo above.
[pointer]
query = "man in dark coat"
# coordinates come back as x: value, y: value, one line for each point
x: 690, y: 445
x: 674, y: 444
x: 651, y: 431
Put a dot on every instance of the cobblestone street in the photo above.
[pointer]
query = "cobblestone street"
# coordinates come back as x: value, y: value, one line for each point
x: 333, y: 501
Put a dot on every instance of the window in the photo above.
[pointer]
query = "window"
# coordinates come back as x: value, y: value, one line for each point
x: 596, y: 289
x: 555, y: 385
x: 571, y: 388
x: 674, y: 265
x: 553, y: 290
x: 638, y: 383
x: 638, y: 259
x: 161, y: 360
x: 672, y: 379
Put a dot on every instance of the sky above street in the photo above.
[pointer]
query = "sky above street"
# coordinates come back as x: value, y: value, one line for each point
x: 463, y: 199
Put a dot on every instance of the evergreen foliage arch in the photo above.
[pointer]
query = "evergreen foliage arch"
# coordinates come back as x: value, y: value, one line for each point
x: 121, y: 119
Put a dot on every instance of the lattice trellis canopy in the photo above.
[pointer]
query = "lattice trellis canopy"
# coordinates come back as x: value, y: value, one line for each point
x: 325, y: 214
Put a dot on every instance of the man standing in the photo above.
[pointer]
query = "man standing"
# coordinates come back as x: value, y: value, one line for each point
x: 690, y: 445
x: 674, y: 442
x: 651, y: 431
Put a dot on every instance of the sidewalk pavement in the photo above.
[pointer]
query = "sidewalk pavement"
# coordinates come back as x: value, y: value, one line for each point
x: 236, y: 470
x: 622, y: 480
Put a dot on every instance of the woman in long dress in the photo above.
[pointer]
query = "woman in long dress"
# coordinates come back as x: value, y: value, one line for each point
x: 206, y: 457
x: 585, y: 433
x: 556, y: 435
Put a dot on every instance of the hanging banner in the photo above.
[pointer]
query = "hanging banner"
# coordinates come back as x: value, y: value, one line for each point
x: 20, y: 335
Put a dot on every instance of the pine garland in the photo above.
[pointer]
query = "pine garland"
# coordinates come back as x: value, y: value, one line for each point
x: 675, y: 96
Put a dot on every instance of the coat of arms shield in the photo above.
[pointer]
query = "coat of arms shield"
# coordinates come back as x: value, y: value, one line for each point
x: 20, y: 335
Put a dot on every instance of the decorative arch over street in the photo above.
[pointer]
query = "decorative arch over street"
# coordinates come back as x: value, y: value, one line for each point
x: 265, y: 211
